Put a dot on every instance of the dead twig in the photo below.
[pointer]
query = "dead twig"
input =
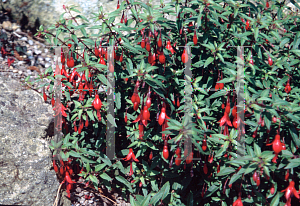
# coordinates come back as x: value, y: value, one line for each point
x: 57, y: 198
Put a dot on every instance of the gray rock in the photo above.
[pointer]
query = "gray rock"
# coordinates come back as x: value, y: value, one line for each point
x: 37, y: 51
x: 29, y: 52
x: 82, y: 200
x: 15, y: 26
x: 30, y: 42
x: 23, y: 38
x: 7, y: 25
x: 47, y: 65
x: 63, y: 201
x: 20, y: 63
x: 26, y: 176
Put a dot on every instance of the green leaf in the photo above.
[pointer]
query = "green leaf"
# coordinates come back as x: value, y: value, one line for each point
x: 226, y: 80
x: 221, y: 57
x: 88, y: 167
x: 234, y: 178
x: 275, y: 200
x: 86, y: 58
x: 132, y: 201
x: 296, y: 51
x: 211, y: 190
x: 111, y: 120
x: 226, y: 171
x: 294, y: 135
x: 293, y: 117
x: 257, y: 150
x: 292, y: 165
x: 90, y: 114
x: 106, y: 177
x: 73, y: 9
x: 146, y: 200
x: 256, y: 33
x: 100, y: 167
x: 94, y: 179
x: 125, y: 182
x: 218, y: 94
x: 74, y: 37
x: 208, y: 61
x: 156, y: 198
x: 118, y: 100
x: 165, y: 190
x: 74, y: 154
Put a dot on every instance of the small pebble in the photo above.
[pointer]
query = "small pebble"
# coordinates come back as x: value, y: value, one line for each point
x: 15, y: 71
x: 48, y: 59
x: 37, y: 51
x: 82, y: 200
x: 15, y: 26
x: 23, y: 38
x: 91, y: 201
x: 30, y: 42
x: 11, y: 67
x: 47, y: 65
x: 7, y: 25
x: 20, y: 72
x: 20, y: 63
x: 78, y: 189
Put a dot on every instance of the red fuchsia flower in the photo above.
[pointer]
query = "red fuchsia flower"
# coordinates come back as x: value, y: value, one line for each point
x: 72, y: 76
x: 164, y: 126
x: 130, y: 157
x: 10, y: 61
x: 225, y: 120
x: 3, y: 52
x: 289, y: 191
x: 81, y: 93
x: 238, y: 202
x: 142, y: 122
x: 70, y: 62
x: 61, y: 108
x: 163, y: 116
x: 163, y: 119
x: 97, y: 104
x: 135, y: 97
x: 276, y: 146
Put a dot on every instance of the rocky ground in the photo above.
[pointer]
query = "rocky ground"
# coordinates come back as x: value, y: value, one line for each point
x: 32, y: 62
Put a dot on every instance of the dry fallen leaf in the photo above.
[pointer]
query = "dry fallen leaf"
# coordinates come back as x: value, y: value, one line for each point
x: 16, y: 54
x: 34, y: 68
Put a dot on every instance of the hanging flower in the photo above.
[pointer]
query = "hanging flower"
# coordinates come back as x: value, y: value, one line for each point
x: 130, y: 157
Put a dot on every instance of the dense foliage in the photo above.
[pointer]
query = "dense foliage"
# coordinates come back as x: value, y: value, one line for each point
x: 151, y: 115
